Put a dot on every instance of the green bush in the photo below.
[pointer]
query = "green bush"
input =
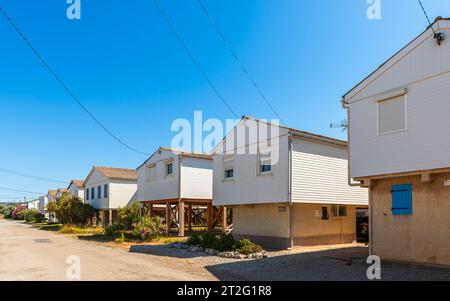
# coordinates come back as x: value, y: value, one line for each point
x: 110, y: 230
x: 127, y: 217
x: 71, y: 210
x: 7, y: 212
x: 31, y: 216
x: 246, y: 247
x: 217, y: 241
x: 148, y: 229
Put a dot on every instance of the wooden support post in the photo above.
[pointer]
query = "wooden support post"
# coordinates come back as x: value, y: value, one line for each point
x: 189, y: 217
x: 224, y: 219
x: 209, y: 217
x: 181, y: 218
x: 167, y: 218
x: 110, y: 221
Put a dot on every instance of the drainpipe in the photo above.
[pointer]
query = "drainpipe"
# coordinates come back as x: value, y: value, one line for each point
x: 291, y: 211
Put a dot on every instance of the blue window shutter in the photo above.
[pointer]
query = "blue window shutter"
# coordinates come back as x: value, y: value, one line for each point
x: 402, y: 199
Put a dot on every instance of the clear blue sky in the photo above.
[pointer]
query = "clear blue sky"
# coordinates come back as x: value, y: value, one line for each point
x: 127, y: 67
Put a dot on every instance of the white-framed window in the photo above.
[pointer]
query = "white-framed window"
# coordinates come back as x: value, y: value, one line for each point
x: 92, y: 193
x: 391, y: 115
x: 264, y: 162
x: 228, y: 168
x: 169, y: 169
x: 87, y: 194
x: 339, y: 211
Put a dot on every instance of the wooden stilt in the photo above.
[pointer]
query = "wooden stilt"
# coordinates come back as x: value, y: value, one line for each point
x: 224, y: 219
x: 209, y: 217
x: 189, y: 217
x: 167, y: 218
x: 110, y: 220
x: 181, y: 218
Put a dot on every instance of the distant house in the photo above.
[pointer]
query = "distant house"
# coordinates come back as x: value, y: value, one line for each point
x: 292, y: 190
x: 176, y: 181
x: 399, y: 147
x: 108, y: 189
x: 60, y: 192
x: 76, y: 188
x: 34, y: 204
x: 51, y: 196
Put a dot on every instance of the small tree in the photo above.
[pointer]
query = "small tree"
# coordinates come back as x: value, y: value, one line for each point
x: 71, y: 210
x: 127, y: 217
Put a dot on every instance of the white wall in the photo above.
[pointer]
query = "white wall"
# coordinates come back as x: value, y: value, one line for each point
x: 248, y: 187
x: 196, y: 178
x: 420, y: 68
x: 320, y: 175
x: 96, y: 179
x: 122, y: 193
x: 163, y: 187
x: 75, y: 191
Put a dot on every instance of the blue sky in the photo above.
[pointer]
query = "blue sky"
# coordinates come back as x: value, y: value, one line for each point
x: 127, y: 67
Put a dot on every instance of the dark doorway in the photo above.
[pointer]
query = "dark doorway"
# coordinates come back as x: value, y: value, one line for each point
x: 362, y: 225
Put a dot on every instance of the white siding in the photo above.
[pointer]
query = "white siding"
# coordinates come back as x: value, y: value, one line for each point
x: 425, y: 143
x: 320, y: 175
x: 248, y: 187
x: 75, y: 191
x: 96, y: 179
x: 196, y: 178
x: 121, y: 193
x: 164, y: 187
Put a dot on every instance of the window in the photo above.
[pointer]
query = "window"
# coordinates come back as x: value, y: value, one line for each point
x: 265, y: 162
x: 152, y: 174
x: 402, y: 199
x: 325, y: 214
x: 99, y: 192
x: 392, y: 115
x: 169, y: 169
x: 105, y: 190
x: 228, y: 168
x: 87, y: 194
x: 339, y: 211
x: 93, y: 193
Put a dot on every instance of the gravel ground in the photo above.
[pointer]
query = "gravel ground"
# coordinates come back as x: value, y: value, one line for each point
x: 326, y: 263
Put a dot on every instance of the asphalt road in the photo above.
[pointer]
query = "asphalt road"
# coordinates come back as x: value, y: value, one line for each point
x: 27, y: 253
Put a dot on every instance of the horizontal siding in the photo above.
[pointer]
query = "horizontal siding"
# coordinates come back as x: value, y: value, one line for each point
x: 196, y: 178
x: 425, y: 143
x: 320, y: 175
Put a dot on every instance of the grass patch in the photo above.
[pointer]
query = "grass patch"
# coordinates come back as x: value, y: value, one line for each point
x: 170, y: 240
x: 48, y: 227
x: 66, y: 229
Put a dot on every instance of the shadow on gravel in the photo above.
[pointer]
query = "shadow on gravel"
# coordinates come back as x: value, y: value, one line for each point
x: 47, y: 227
x: 97, y: 238
x: 160, y: 250
x: 330, y: 265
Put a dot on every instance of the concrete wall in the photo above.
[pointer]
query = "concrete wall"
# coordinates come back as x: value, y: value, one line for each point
x: 310, y: 229
x: 424, y: 236
x: 269, y: 225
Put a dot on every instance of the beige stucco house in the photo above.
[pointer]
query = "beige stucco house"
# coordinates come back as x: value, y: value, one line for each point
x: 286, y: 187
x: 107, y: 189
x: 399, y: 148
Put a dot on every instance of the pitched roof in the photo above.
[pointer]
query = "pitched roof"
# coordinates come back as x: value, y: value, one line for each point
x: 114, y: 173
x: 181, y: 153
x: 344, y: 100
x: 78, y: 183
x: 52, y: 192
x: 62, y: 190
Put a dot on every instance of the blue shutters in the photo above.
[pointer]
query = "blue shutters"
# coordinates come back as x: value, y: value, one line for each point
x: 402, y: 199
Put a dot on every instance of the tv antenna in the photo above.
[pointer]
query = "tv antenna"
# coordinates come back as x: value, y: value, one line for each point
x: 343, y: 125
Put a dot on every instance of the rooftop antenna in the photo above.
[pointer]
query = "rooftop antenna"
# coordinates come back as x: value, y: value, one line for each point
x: 438, y: 36
x: 343, y: 125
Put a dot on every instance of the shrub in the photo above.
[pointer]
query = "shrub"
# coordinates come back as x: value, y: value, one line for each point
x: 148, y: 228
x: 246, y: 247
x: 121, y: 239
x: 110, y: 231
x: 217, y: 241
x: 71, y: 210
x: 16, y: 213
x: 7, y: 212
x: 127, y: 217
x: 69, y: 229
x: 194, y: 239
x: 32, y: 216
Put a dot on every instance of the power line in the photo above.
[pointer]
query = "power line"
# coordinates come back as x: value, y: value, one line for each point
x: 236, y: 57
x: 19, y: 190
x: 191, y: 56
x: 426, y: 15
x: 25, y: 175
x: 64, y: 86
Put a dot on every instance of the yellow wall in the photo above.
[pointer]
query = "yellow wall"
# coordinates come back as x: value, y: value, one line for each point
x: 262, y: 220
x: 310, y: 229
x: 422, y: 237
x: 267, y: 221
